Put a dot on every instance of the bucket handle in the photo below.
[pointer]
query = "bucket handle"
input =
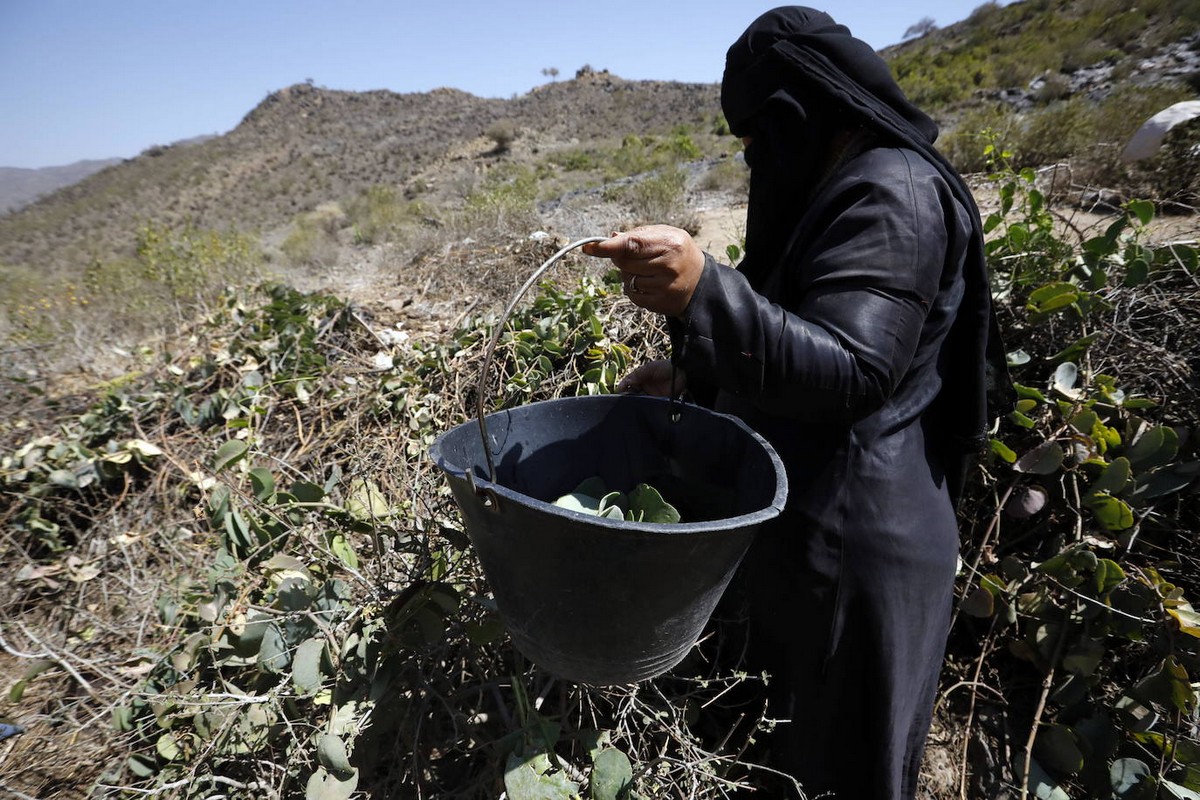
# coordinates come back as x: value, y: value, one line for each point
x: 491, y: 349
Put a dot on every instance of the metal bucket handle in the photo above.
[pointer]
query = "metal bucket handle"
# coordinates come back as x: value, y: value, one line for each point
x: 480, y: 411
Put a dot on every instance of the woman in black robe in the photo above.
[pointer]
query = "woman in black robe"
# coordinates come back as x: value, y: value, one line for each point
x: 857, y: 337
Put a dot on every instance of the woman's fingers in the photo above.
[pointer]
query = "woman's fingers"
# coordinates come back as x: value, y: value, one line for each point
x: 661, y: 265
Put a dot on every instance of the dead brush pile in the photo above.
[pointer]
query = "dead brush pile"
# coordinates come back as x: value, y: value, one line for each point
x: 238, y: 574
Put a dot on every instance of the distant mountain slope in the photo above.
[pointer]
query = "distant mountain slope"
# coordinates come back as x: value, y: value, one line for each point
x: 20, y: 186
x: 303, y: 145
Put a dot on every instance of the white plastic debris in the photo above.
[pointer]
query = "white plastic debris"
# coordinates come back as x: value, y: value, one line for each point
x: 392, y: 337
x: 1149, y: 138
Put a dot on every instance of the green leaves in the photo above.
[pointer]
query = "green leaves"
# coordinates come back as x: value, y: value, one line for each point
x: 331, y: 754
x: 1058, y: 747
x: 1109, y: 576
x: 1187, y: 617
x: 34, y: 669
x: 642, y: 504
x: 1154, y: 447
x: 1045, y: 459
x: 1131, y: 779
x: 367, y: 502
x: 262, y: 484
x: 531, y: 776
x: 1053, y: 297
x: 229, y: 454
x: 1042, y: 786
x: 1112, y: 513
x: 323, y: 785
x: 611, y: 773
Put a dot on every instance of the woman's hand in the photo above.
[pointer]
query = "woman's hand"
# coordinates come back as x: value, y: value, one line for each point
x: 654, y: 378
x: 660, y: 266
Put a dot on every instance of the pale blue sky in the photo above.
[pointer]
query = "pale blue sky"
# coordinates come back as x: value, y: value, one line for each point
x: 108, y: 78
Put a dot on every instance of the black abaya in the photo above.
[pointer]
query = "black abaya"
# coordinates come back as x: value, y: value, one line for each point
x: 854, y: 340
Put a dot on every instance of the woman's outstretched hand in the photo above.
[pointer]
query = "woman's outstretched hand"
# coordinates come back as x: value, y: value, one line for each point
x: 654, y: 378
x: 660, y: 266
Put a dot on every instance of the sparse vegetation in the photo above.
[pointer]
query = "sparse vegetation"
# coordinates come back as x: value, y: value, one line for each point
x: 727, y: 175
x: 1007, y: 46
x: 1087, y: 135
x: 921, y: 27
x: 504, y: 201
x: 660, y: 197
x: 502, y: 133
x: 313, y: 240
x: 172, y: 276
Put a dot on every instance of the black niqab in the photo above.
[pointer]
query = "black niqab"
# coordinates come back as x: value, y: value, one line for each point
x: 793, y: 81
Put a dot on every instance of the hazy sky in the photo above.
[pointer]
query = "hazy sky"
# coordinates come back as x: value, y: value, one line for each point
x: 108, y: 78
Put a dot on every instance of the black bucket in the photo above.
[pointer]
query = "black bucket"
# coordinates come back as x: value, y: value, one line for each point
x: 597, y: 600
x: 588, y: 598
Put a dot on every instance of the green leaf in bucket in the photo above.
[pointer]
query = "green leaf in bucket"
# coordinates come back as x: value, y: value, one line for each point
x: 578, y: 501
x: 612, y: 505
x: 643, y: 504
x: 648, y: 505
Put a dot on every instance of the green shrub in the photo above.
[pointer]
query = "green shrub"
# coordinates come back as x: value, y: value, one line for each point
x: 35, y: 311
x: 730, y: 174
x: 1073, y: 573
x: 504, y: 202
x: 379, y: 215
x: 1054, y: 133
x: 964, y: 143
x: 660, y: 197
x: 575, y: 159
x: 190, y: 263
x: 313, y: 239
x: 1113, y: 121
x: 173, y: 274
x: 502, y: 133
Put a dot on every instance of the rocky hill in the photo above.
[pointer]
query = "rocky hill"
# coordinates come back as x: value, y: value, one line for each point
x: 1040, y: 71
x: 304, y: 145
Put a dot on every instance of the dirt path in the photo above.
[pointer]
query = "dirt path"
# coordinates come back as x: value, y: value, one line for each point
x: 721, y: 227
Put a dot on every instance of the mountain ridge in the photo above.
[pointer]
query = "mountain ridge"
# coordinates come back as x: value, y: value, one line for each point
x: 303, y: 146
x: 20, y: 186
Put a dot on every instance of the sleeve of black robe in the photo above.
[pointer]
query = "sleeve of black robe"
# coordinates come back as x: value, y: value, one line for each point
x: 857, y: 296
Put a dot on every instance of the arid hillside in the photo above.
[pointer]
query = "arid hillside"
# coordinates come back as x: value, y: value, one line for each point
x: 303, y: 146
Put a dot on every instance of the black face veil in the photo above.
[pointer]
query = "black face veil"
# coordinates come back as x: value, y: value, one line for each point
x: 793, y: 81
